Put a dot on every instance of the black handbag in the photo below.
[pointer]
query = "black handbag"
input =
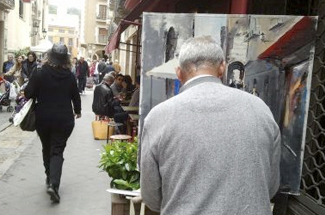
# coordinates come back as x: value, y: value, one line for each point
x: 28, y: 123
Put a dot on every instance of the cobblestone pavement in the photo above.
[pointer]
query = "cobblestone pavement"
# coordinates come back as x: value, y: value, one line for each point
x: 12, y: 141
x: 22, y: 179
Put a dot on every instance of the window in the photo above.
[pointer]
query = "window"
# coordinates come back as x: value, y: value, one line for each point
x: 50, y: 29
x: 21, y: 9
x: 61, y: 30
x: 61, y: 40
x: 71, y: 32
x: 50, y: 38
x: 102, y: 35
x: 102, y: 12
x: 70, y: 43
x: 53, y: 9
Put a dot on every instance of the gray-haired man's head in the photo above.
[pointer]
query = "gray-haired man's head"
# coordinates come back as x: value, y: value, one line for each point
x: 109, y: 79
x: 200, y: 52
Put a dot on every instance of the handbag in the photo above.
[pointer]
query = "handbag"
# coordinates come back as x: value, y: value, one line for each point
x: 99, y: 129
x: 28, y: 122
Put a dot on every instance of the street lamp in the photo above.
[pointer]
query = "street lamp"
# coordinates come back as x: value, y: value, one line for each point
x: 44, y: 32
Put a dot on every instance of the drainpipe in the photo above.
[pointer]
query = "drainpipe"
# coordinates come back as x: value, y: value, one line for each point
x: 238, y: 6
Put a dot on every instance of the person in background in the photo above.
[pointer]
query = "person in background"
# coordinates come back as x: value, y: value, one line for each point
x: 117, y: 67
x: 29, y: 65
x: 195, y: 158
x: 129, y: 87
x: 111, y: 69
x: 55, y: 89
x: 82, y: 74
x: 74, y: 67
x: 134, y: 102
x: 103, y: 69
x: 92, y: 68
x: 16, y: 71
x: 7, y: 65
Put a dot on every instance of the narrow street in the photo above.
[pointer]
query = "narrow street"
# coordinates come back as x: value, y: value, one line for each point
x: 22, y: 178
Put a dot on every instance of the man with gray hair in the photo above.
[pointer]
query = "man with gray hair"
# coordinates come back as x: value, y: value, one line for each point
x: 211, y: 149
x: 103, y: 98
x: 7, y: 66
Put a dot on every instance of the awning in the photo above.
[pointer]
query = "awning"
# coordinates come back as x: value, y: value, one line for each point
x: 285, y: 45
x: 43, y: 46
x: 144, y: 5
x: 165, y: 70
x: 130, y: 4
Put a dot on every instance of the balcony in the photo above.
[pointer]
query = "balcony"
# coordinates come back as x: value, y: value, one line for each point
x: 7, y: 4
x: 101, y: 18
x: 102, y: 39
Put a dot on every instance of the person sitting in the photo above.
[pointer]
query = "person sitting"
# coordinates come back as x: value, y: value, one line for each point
x: 103, y: 98
x: 122, y: 116
x: 136, y: 94
x: 117, y: 86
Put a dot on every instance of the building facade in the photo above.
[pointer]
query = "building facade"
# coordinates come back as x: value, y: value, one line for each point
x: 64, y: 28
x: 26, y: 24
x: 5, y: 8
x: 95, y: 29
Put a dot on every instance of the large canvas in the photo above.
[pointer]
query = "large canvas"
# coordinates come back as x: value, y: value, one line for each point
x: 268, y: 56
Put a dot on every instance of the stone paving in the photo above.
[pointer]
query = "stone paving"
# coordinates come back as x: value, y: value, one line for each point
x: 22, y: 181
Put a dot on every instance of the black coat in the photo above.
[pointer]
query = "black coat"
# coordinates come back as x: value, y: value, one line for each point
x: 28, y: 68
x: 103, y: 100
x: 54, y: 89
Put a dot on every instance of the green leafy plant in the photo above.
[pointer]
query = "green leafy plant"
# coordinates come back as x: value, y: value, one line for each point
x: 119, y: 160
x: 22, y: 51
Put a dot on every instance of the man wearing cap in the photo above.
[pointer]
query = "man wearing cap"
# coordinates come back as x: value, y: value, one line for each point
x: 54, y: 88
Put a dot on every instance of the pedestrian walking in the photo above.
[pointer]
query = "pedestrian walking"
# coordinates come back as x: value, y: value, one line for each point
x: 7, y: 65
x: 211, y: 149
x: 82, y: 74
x: 15, y: 71
x: 58, y: 102
x: 29, y: 65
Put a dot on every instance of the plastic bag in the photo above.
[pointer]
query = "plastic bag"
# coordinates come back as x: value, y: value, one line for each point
x: 12, y: 92
x: 19, y: 117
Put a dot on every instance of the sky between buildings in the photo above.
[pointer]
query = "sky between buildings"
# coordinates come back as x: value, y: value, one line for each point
x: 68, y: 3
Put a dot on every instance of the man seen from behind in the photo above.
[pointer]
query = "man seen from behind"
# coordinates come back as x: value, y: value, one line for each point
x: 212, y: 149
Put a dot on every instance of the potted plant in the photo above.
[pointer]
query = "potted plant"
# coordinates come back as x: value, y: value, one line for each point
x: 119, y: 160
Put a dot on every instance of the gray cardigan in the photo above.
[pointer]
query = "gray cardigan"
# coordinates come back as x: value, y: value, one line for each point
x: 211, y: 149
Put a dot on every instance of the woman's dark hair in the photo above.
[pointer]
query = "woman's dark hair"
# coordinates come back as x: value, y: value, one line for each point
x: 128, y: 79
x: 32, y: 53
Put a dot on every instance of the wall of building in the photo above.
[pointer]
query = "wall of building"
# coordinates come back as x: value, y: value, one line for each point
x: 19, y: 28
x: 93, y: 45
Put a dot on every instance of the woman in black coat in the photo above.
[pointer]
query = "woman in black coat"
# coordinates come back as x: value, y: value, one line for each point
x: 29, y: 66
x: 54, y: 88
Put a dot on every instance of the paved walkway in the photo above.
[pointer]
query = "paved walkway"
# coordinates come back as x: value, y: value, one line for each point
x: 83, y: 185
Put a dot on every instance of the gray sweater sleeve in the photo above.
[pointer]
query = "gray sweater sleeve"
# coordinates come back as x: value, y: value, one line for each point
x: 150, y: 177
x: 275, y: 172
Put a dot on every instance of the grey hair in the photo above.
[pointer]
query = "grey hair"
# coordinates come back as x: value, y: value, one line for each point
x: 200, y: 52
x: 108, y: 77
